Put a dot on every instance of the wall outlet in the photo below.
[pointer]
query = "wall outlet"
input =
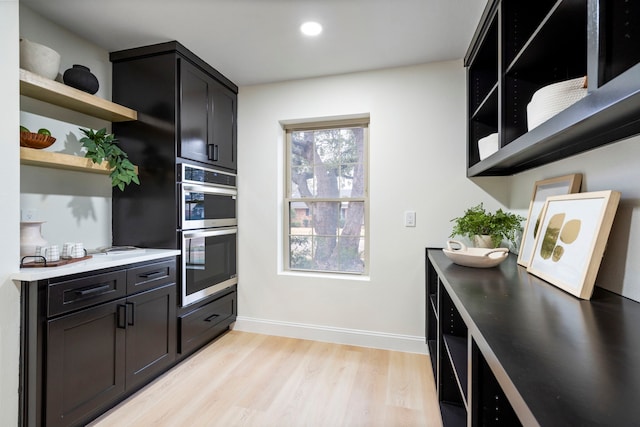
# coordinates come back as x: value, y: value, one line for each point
x: 29, y: 214
x: 410, y: 219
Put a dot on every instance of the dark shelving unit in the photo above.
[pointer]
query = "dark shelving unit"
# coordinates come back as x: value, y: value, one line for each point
x: 431, y: 319
x: 533, y: 354
x: 531, y: 45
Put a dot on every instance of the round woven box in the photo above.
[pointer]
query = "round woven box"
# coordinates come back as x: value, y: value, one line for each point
x: 35, y: 140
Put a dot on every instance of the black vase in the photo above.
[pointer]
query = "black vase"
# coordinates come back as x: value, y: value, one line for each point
x: 81, y: 78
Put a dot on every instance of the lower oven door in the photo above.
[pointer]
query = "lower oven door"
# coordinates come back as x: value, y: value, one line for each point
x: 208, y: 262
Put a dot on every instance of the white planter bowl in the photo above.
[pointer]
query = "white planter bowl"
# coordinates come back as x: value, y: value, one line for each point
x: 39, y: 59
x: 552, y: 99
x: 474, y: 257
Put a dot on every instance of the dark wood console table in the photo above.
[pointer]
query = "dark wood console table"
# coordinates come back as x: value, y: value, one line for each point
x: 508, y: 348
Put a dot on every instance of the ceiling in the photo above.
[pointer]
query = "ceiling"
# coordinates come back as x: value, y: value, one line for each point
x: 258, y: 41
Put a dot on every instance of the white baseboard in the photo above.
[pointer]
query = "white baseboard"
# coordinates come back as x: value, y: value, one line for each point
x: 381, y: 340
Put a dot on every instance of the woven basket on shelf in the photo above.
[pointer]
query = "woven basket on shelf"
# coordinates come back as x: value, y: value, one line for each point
x: 35, y: 140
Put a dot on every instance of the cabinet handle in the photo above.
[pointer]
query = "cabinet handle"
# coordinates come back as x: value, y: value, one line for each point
x: 153, y: 275
x: 210, y: 318
x: 91, y: 291
x: 131, y: 305
x: 122, y: 316
x: 212, y: 152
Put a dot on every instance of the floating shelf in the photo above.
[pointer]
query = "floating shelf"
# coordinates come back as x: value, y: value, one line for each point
x: 49, y: 159
x: 43, y: 89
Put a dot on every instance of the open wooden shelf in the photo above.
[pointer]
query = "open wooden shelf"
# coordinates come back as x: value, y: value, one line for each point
x: 43, y: 89
x: 49, y: 159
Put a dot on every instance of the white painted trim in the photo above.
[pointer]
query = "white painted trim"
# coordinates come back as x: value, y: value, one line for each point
x: 381, y: 340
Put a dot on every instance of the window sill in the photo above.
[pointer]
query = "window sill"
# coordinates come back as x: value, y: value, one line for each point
x: 331, y: 276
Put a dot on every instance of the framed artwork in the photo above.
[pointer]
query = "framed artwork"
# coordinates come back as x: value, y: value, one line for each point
x: 566, y: 184
x: 570, y: 242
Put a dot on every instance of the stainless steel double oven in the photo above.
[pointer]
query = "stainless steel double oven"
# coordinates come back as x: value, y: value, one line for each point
x: 208, y: 229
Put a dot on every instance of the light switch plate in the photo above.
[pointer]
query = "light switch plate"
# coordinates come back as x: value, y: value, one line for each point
x: 410, y: 219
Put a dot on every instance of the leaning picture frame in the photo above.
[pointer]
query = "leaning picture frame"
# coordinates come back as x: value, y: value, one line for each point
x: 566, y: 184
x: 572, y: 236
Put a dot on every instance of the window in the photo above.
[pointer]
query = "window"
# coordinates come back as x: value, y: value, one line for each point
x: 326, y: 196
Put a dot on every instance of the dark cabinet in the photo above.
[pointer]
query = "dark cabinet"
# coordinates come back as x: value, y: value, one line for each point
x: 187, y: 110
x: 199, y: 325
x: 150, y: 334
x: 207, y: 118
x: 91, y: 343
x: 509, y: 349
x: 521, y: 47
x: 85, y: 363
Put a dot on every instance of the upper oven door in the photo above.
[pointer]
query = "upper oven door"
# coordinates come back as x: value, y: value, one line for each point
x: 206, y: 206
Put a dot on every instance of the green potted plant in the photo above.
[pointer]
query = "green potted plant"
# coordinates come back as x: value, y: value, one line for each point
x: 476, y: 221
x: 102, y: 146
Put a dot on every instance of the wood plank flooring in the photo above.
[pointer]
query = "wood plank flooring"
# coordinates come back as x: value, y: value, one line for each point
x: 246, y: 379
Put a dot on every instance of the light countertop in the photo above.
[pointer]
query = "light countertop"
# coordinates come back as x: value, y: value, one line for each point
x: 96, y: 262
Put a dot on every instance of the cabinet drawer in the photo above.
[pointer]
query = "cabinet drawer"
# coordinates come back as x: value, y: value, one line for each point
x: 82, y: 292
x: 203, y: 323
x: 150, y: 276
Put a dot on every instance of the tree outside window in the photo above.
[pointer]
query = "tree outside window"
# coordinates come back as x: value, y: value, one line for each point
x: 327, y: 198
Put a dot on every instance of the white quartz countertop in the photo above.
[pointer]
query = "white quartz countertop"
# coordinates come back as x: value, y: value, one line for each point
x: 96, y: 262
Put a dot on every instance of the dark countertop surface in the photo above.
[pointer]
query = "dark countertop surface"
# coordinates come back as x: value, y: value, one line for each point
x: 562, y: 360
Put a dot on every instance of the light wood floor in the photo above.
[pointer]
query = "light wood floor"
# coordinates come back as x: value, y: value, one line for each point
x: 245, y: 379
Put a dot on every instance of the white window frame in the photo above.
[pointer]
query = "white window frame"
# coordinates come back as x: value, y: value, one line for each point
x: 320, y: 124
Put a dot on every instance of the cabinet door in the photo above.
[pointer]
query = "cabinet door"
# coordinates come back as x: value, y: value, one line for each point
x: 207, y: 118
x: 194, y: 113
x: 85, y: 363
x: 223, y: 105
x: 151, y: 334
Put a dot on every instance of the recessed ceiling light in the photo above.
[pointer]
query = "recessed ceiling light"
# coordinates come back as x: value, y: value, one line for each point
x: 311, y: 28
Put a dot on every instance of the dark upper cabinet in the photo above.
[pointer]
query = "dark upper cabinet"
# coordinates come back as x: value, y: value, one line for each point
x: 207, y: 118
x: 187, y: 110
x: 520, y: 47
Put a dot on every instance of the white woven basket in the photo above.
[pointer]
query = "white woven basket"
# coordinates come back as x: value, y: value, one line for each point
x: 552, y: 99
x: 488, y: 145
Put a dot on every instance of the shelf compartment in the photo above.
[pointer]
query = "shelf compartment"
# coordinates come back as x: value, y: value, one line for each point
x: 43, y: 89
x: 453, y: 415
x: 49, y: 159
x: 521, y: 19
x: 434, y: 305
x: 489, y: 401
x: 557, y: 50
x: 618, y: 42
x: 606, y: 115
x: 457, y: 351
x: 483, y: 72
x: 487, y: 111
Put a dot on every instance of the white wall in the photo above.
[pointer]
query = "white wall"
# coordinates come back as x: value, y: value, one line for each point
x: 417, y: 162
x: 613, y: 167
x: 9, y: 214
x: 75, y: 205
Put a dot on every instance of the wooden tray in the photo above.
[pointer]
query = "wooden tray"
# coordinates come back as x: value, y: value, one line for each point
x: 50, y: 263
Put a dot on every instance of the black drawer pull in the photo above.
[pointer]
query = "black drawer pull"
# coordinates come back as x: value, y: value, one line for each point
x: 91, y: 291
x: 210, y: 318
x: 153, y: 275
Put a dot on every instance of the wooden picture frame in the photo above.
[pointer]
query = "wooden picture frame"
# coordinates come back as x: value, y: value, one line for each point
x: 573, y: 233
x: 566, y: 184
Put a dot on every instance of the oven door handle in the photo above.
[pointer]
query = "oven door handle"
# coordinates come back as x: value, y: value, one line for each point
x: 209, y: 189
x: 209, y: 233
